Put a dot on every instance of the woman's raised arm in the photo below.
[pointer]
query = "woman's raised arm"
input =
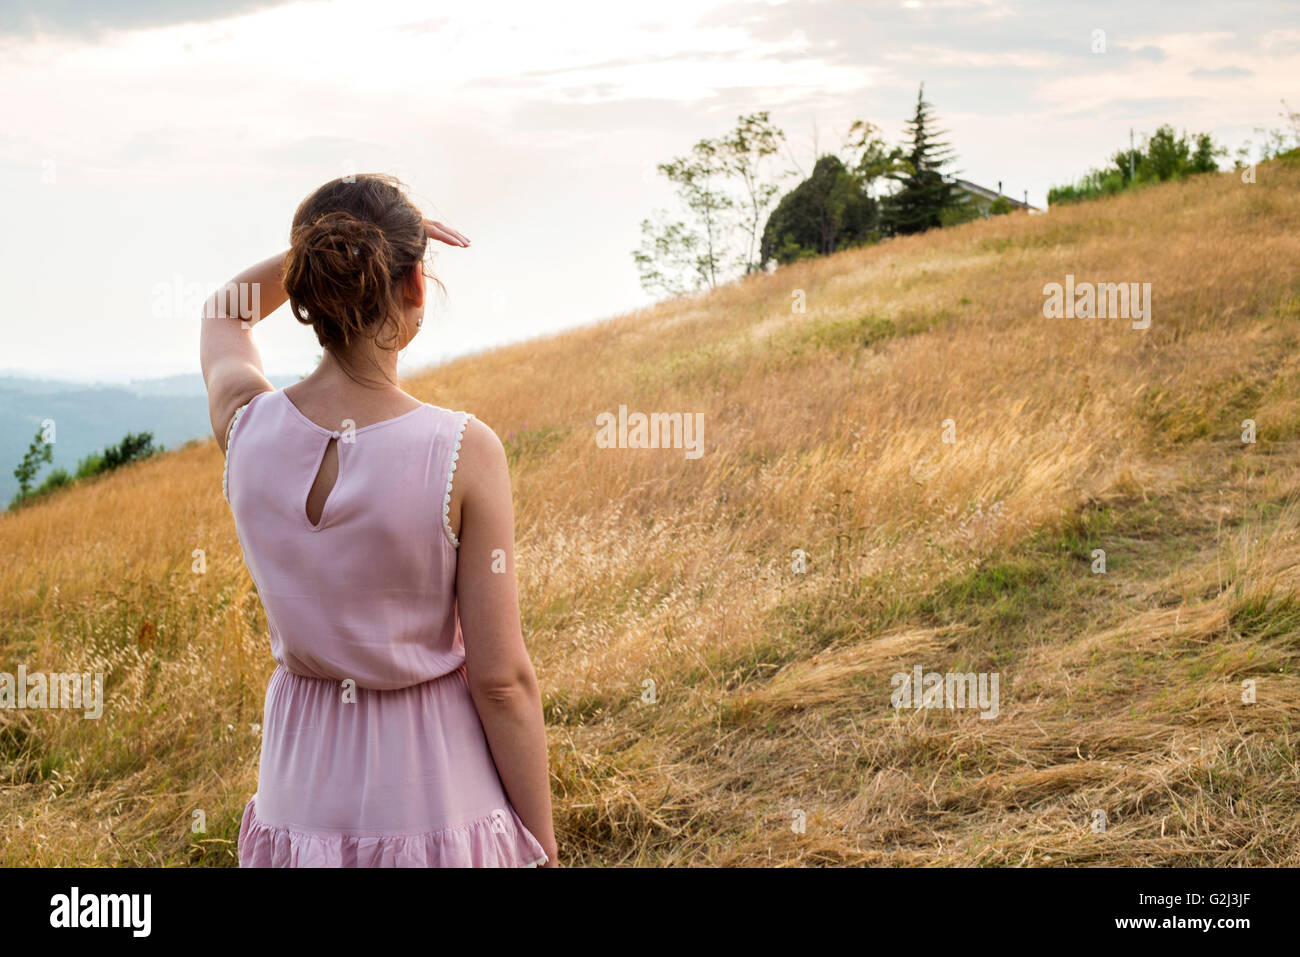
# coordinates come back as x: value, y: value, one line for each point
x: 232, y: 366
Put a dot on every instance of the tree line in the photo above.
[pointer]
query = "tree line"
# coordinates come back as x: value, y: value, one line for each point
x: 1164, y: 155
x: 733, y: 220
x: 133, y: 447
x: 1167, y: 155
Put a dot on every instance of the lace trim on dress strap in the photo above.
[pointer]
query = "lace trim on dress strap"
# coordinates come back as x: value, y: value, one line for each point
x: 230, y: 437
x: 451, y: 471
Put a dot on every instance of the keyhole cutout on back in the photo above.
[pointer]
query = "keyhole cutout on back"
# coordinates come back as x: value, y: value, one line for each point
x: 324, y: 483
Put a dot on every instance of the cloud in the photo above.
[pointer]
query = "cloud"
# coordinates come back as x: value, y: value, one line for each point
x: 89, y: 19
x: 1222, y: 73
x: 196, y: 128
x: 1128, y: 108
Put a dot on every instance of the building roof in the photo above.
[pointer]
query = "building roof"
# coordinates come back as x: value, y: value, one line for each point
x: 984, y: 192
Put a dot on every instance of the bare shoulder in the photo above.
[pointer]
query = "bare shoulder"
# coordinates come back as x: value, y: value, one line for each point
x: 481, y: 450
x: 481, y: 484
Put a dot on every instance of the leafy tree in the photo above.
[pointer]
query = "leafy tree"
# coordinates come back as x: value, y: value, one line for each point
x: 38, y: 453
x: 668, y: 260
x: 926, y: 192
x: 868, y: 157
x: 697, y: 179
x: 1205, y: 159
x: 744, y: 153
x: 1167, y: 156
x: 725, y: 188
x: 827, y: 211
x: 1126, y: 163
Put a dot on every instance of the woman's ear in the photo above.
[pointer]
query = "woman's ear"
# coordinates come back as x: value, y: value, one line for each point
x: 413, y: 286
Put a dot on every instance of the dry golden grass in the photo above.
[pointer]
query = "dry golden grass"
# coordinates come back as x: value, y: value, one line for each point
x: 1120, y: 692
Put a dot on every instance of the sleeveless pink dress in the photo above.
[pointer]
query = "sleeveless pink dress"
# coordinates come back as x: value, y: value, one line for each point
x: 372, y: 751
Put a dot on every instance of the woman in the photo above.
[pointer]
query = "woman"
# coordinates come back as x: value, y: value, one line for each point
x: 403, y: 724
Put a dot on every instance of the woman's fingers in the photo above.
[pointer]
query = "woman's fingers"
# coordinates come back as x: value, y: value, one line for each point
x: 445, y: 234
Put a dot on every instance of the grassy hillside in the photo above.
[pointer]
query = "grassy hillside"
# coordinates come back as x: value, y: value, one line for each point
x: 1120, y: 692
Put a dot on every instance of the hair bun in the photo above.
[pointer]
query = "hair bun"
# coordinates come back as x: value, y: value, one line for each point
x: 342, y: 273
x: 350, y: 247
x: 343, y: 247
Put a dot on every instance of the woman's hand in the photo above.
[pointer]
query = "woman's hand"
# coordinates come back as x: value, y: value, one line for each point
x: 444, y: 234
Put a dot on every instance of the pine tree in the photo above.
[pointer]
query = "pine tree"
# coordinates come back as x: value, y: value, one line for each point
x: 925, y: 191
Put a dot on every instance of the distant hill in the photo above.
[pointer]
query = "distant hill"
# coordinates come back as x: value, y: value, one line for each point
x: 89, y: 416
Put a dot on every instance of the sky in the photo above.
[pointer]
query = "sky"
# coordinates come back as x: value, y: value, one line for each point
x: 149, y: 149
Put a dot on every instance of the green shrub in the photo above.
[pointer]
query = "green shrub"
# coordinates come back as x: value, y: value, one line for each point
x: 55, y: 480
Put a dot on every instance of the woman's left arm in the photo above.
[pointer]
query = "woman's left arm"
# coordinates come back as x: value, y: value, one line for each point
x: 232, y: 366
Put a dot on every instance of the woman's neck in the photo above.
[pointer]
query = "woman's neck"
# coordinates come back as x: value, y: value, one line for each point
x: 367, y: 366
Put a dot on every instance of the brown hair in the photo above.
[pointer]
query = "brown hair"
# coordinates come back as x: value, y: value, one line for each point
x: 350, y: 248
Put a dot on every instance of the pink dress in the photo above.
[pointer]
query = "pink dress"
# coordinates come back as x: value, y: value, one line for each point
x: 372, y: 751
